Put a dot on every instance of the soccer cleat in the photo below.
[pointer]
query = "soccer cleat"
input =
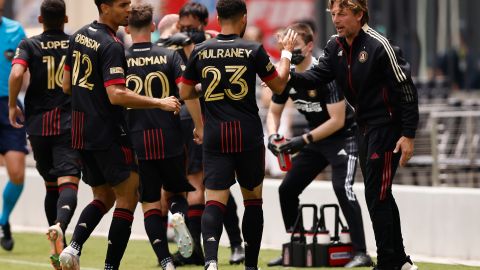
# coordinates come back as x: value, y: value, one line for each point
x: 69, y: 259
x: 169, y: 266
x: 55, y: 236
x: 197, y: 257
x: 6, y: 240
x: 238, y: 255
x: 408, y: 265
x: 182, y: 235
x: 359, y: 260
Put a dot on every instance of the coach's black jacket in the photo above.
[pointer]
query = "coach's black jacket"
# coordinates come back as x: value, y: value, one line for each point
x: 374, y: 76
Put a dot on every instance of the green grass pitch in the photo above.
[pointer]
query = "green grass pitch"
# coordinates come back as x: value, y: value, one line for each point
x: 31, y: 252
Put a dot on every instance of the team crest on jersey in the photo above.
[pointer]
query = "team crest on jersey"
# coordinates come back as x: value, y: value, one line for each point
x: 340, y: 53
x: 183, y: 67
x: 312, y: 93
x: 363, y: 56
x: 116, y: 70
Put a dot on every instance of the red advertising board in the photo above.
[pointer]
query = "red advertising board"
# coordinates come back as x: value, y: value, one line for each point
x: 268, y: 15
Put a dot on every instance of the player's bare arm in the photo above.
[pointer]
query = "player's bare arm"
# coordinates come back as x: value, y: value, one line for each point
x: 118, y: 94
x: 67, y: 82
x: 278, y: 84
x: 15, y: 82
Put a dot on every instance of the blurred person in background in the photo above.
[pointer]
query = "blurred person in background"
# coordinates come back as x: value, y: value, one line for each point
x: 330, y: 141
x: 13, y: 141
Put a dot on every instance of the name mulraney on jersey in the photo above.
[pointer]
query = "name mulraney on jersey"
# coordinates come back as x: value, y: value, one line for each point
x: 147, y: 61
x: 307, y: 106
x: 87, y: 42
x: 224, y: 53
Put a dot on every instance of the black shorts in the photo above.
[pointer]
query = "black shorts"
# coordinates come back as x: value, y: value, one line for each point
x: 55, y: 157
x: 11, y: 139
x: 194, y: 152
x: 221, y: 169
x: 167, y: 173
x: 111, y: 166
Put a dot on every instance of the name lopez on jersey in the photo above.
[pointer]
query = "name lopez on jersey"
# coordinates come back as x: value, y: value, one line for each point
x: 224, y: 53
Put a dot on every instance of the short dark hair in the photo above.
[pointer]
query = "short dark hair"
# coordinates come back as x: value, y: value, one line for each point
x: 303, y: 30
x: 100, y: 2
x: 354, y: 5
x: 53, y: 13
x: 140, y: 16
x: 196, y: 10
x: 229, y: 9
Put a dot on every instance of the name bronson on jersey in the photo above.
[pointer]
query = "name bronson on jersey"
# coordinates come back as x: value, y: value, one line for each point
x: 307, y: 106
x: 87, y: 42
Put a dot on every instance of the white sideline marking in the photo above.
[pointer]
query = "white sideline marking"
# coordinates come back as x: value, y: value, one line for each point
x: 44, y: 265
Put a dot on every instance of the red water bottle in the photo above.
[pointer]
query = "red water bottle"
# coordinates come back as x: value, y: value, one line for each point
x: 284, y: 160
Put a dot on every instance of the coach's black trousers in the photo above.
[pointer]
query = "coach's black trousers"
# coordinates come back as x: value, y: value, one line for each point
x: 379, y: 164
x: 341, y: 153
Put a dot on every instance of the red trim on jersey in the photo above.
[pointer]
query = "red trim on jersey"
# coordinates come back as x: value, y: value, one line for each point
x: 270, y: 77
x: 178, y: 80
x: 77, y: 129
x: 66, y: 67
x: 20, y: 61
x: 241, y: 136
x: 236, y: 141
x: 145, y: 143
x: 148, y: 154
x: 114, y: 81
x: 163, y: 144
x: 187, y: 81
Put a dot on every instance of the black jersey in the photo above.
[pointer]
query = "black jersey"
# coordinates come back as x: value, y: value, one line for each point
x: 96, y: 60
x: 312, y: 103
x: 47, y: 108
x: 227, y: 66
x: 176, y: 43
x: 154, y: 71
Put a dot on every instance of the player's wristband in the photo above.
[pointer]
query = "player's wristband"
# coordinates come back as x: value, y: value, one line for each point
x: 286, y: 54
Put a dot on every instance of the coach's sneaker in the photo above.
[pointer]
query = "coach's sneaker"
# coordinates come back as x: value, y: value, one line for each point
x: 238, y: 255
x: 6, y: 240
x: 182, y: 235
x: 55, y: 236
x: 408, y: 265
x: 69, y: 259
x: 359, y: 260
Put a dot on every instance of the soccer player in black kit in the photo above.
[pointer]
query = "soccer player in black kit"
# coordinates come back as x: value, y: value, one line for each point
x: 191, y: 20
x: 226, y: 67
x: 47, y: 115
x: 157, y: 136
x: 376, y: 81
x: 331, y: 140
x: 95, y: 76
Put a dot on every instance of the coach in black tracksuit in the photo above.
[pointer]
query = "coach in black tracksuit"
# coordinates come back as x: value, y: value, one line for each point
x: 331, y: 141
x: 375, y: 79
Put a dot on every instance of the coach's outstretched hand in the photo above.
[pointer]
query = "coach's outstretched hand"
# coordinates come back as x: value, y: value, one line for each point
x: 170, y: 103
x: 293, y: 145
x: 289, y: 40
